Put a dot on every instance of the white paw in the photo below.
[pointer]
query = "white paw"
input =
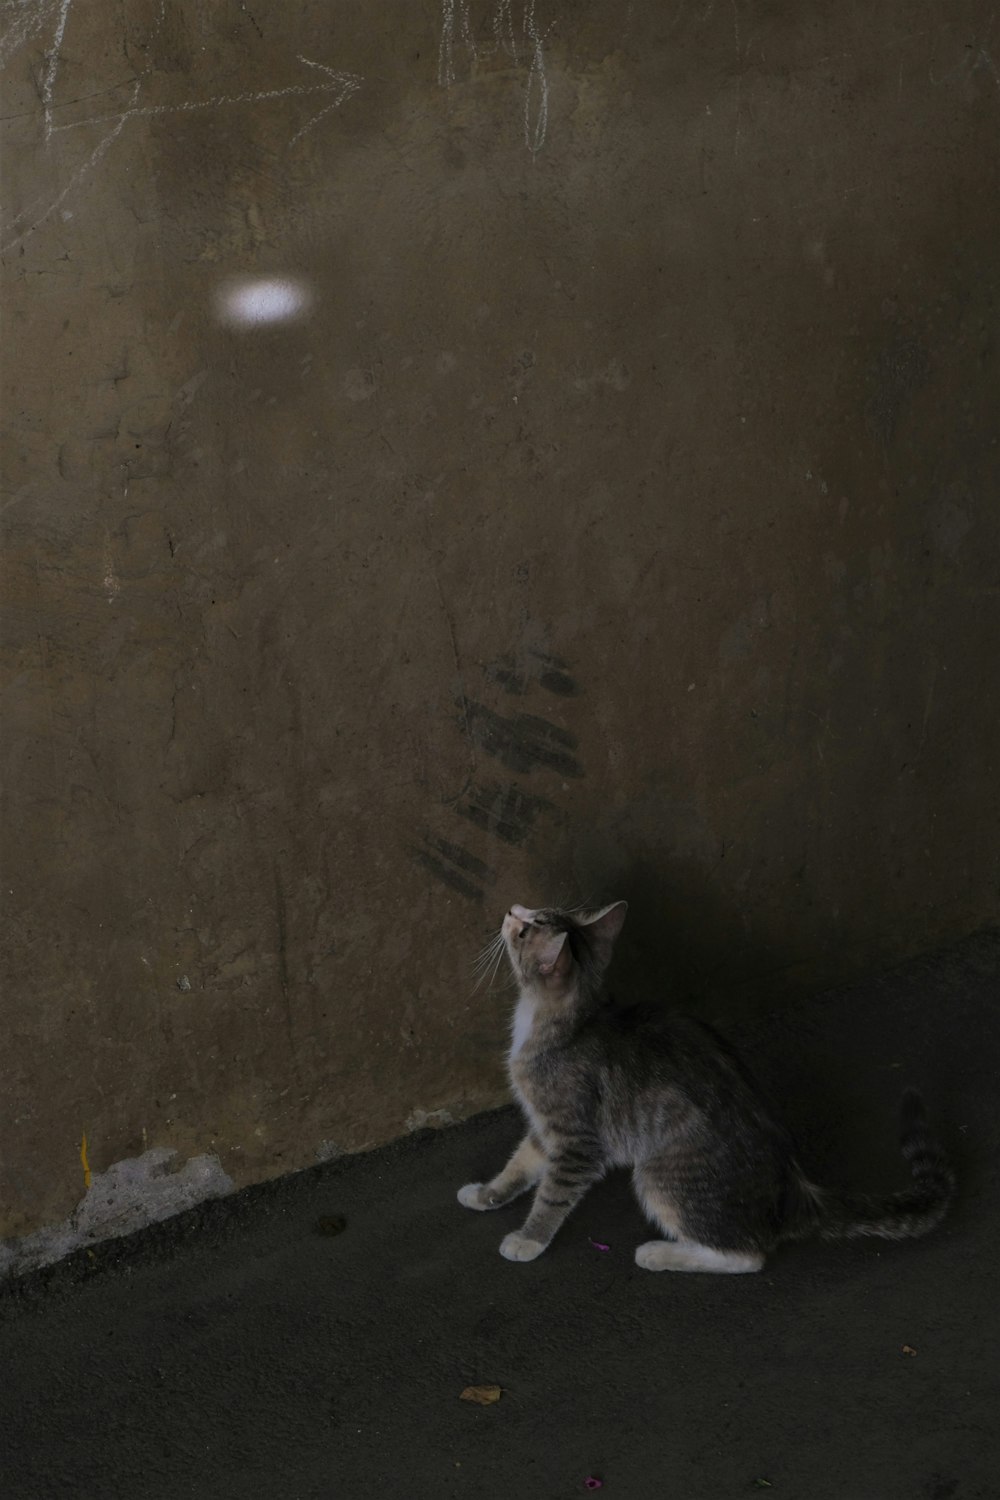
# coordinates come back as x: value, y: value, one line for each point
x: 515, y: 1246
x: 471, y: 1196
x: 655, y: 1255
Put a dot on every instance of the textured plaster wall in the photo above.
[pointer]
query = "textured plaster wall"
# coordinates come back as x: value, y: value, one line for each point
x: 619, y: 518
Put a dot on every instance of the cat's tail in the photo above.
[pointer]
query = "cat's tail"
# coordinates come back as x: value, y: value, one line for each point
x: 900, y: 1216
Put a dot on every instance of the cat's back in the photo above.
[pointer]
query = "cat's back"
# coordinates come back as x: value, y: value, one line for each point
x: 654, y: 1031
x: 628, y: 1052
x: 647, y: 1046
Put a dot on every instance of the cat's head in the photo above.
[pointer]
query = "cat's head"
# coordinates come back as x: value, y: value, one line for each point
x: 553, y: 950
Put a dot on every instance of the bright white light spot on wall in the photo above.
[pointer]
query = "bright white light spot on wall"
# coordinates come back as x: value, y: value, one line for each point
x: 260, y: 301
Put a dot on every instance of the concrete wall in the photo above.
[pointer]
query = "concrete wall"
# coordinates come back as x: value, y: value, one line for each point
x: 619, y: 518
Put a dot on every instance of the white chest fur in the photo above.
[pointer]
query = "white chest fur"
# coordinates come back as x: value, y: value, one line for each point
x: 524, y: 1017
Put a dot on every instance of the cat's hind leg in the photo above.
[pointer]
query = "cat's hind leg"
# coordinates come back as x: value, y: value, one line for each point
x: 682, y: 1255
x: 681, y: 1252
x: 521, y: 1173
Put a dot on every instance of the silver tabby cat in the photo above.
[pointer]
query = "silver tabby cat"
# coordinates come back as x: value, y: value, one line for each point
x: 602, y: 1088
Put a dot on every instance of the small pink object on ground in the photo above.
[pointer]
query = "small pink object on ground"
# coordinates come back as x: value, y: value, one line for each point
x: 593, y: 1484
x: 598, y: 1246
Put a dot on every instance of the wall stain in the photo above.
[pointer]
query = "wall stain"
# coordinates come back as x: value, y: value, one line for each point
x: 551, y: 672
x: 557, y: 680
x: 522, y: 742
x: 506, y: 811
x: 454, y: 866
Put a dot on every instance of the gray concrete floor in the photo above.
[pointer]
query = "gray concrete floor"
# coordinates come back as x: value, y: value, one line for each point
x: 238, y: 1351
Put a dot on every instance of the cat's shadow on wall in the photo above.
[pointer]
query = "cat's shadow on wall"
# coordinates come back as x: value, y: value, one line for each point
x: 681, y: 942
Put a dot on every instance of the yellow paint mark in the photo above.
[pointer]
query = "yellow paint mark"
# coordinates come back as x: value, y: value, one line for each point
x: 86, y: 1163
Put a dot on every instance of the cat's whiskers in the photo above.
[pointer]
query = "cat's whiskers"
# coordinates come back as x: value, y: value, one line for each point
x: 485, y: 958
x: 486, y: 965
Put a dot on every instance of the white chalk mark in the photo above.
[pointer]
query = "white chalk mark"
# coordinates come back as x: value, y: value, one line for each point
x: 536, y: 98
x: 536, y: 94
x: 446, y: 49
x: 29, y: 17
x: 503, y: 28
x: 345, y: 84
x: 49, y: 82
x: 349, y: 82
x: 96, y: 156
x: 321, y: 116
x: 467, y: 36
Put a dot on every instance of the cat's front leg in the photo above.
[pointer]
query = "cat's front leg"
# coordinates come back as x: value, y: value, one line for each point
x: 521, y: 1172
x: 562, y: 1185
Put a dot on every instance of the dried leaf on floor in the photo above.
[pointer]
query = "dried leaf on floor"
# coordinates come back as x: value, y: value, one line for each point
x: 481, y: 1395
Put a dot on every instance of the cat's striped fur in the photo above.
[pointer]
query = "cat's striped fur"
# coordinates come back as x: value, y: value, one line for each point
x: 715, y: 1172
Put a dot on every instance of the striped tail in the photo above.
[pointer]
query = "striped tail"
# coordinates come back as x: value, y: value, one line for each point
x: 900, y: 1216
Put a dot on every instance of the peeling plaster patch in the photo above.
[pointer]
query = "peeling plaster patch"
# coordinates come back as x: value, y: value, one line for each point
x: 429, y: 1119
x: 130, y: 1195
x: 359, y: 385
x: 328, y: 1151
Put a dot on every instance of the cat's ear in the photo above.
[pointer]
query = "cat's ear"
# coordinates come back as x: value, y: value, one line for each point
x: 554, y: 957
x: 607, y: 923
